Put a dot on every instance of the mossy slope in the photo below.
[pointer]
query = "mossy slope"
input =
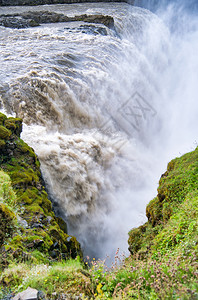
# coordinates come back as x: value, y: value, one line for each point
x: 37, y: 228
x: 169, y: 240
x: 173, y: 214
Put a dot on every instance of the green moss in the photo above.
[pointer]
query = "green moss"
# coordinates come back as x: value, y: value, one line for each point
x: 167, y: 211
x: 7, y: 195
x: 73, y: 247
x: 38, y: 240
x: 169, y: 215
x: 2, y: 144
x: 62, y: 224
x: 24, y: 176
x: 39, y: 257
x: 46, y: 203
x: 16, y: 241
x: 183, y: 226
x: 35, y: 229
x: 7, y: 225
x: 33, y: 209
x: 25, y: 199
x: 154, y: 211
x: 135, y: 239
x: 2, y: 118
x: 180, y: 178
x: 4, y: 133
x: 56, y: 234
x: 24, y: 148
x: 10, y: 125
x: 14, y: 124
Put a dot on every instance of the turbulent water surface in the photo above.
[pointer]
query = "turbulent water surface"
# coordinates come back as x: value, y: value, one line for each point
x: 104, y: 109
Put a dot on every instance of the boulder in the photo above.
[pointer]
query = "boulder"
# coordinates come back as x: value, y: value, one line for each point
x: 29, y: 294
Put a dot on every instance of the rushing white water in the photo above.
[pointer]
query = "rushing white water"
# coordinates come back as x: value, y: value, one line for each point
x: 104, y: 113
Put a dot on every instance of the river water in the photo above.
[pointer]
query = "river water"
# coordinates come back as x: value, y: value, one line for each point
x: 104, y: 109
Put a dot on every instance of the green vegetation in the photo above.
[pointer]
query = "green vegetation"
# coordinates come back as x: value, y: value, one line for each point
x: 62, y: 276
x: 172, y: 215
x: 36, y: 252
x: 27, y: 221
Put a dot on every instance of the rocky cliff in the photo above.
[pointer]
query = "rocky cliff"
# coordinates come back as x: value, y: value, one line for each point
x: 28, y: 226
x: 41, y: 2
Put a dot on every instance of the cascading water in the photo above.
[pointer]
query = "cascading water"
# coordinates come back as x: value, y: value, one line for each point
x: 102, y: 108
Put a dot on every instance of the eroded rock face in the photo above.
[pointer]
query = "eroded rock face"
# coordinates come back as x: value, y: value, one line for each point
x: 32, y: 19
x: 37, y: 227
x: 42, y: 2
x: 17, y: 22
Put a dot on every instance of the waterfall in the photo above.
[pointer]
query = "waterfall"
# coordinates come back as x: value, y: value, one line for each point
x: 154, y: 5
x: 104, y: 109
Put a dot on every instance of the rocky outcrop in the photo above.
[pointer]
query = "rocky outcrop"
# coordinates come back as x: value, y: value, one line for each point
x: 177, y: 191
x: 29, y: 294
x: 30, y: 223
x: 41, y: 2
x: 31, y: 19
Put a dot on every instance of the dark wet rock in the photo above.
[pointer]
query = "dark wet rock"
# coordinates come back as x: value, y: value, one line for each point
x: 54, y: 253
x: 44, y: 17
x: 36, y: 225
x: 38, y: 243
x: 42, y: 2
x: 98, y: 19
x: 17, y: 22
x: 68, y: 296
x: 49, y: 219
x: 69, y: 239
x: 91, y: 29
x: 56, y: 245
x: 32, y: 19
x: 62, y: 224
x: 30, y: 245
x: 22, y: 222
x: 41, y: 295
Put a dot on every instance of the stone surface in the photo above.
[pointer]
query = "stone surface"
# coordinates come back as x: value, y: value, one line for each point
x: 22, y: 222
x: 29, y: 294
x: 41, y: 2
x: 32, y: 19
